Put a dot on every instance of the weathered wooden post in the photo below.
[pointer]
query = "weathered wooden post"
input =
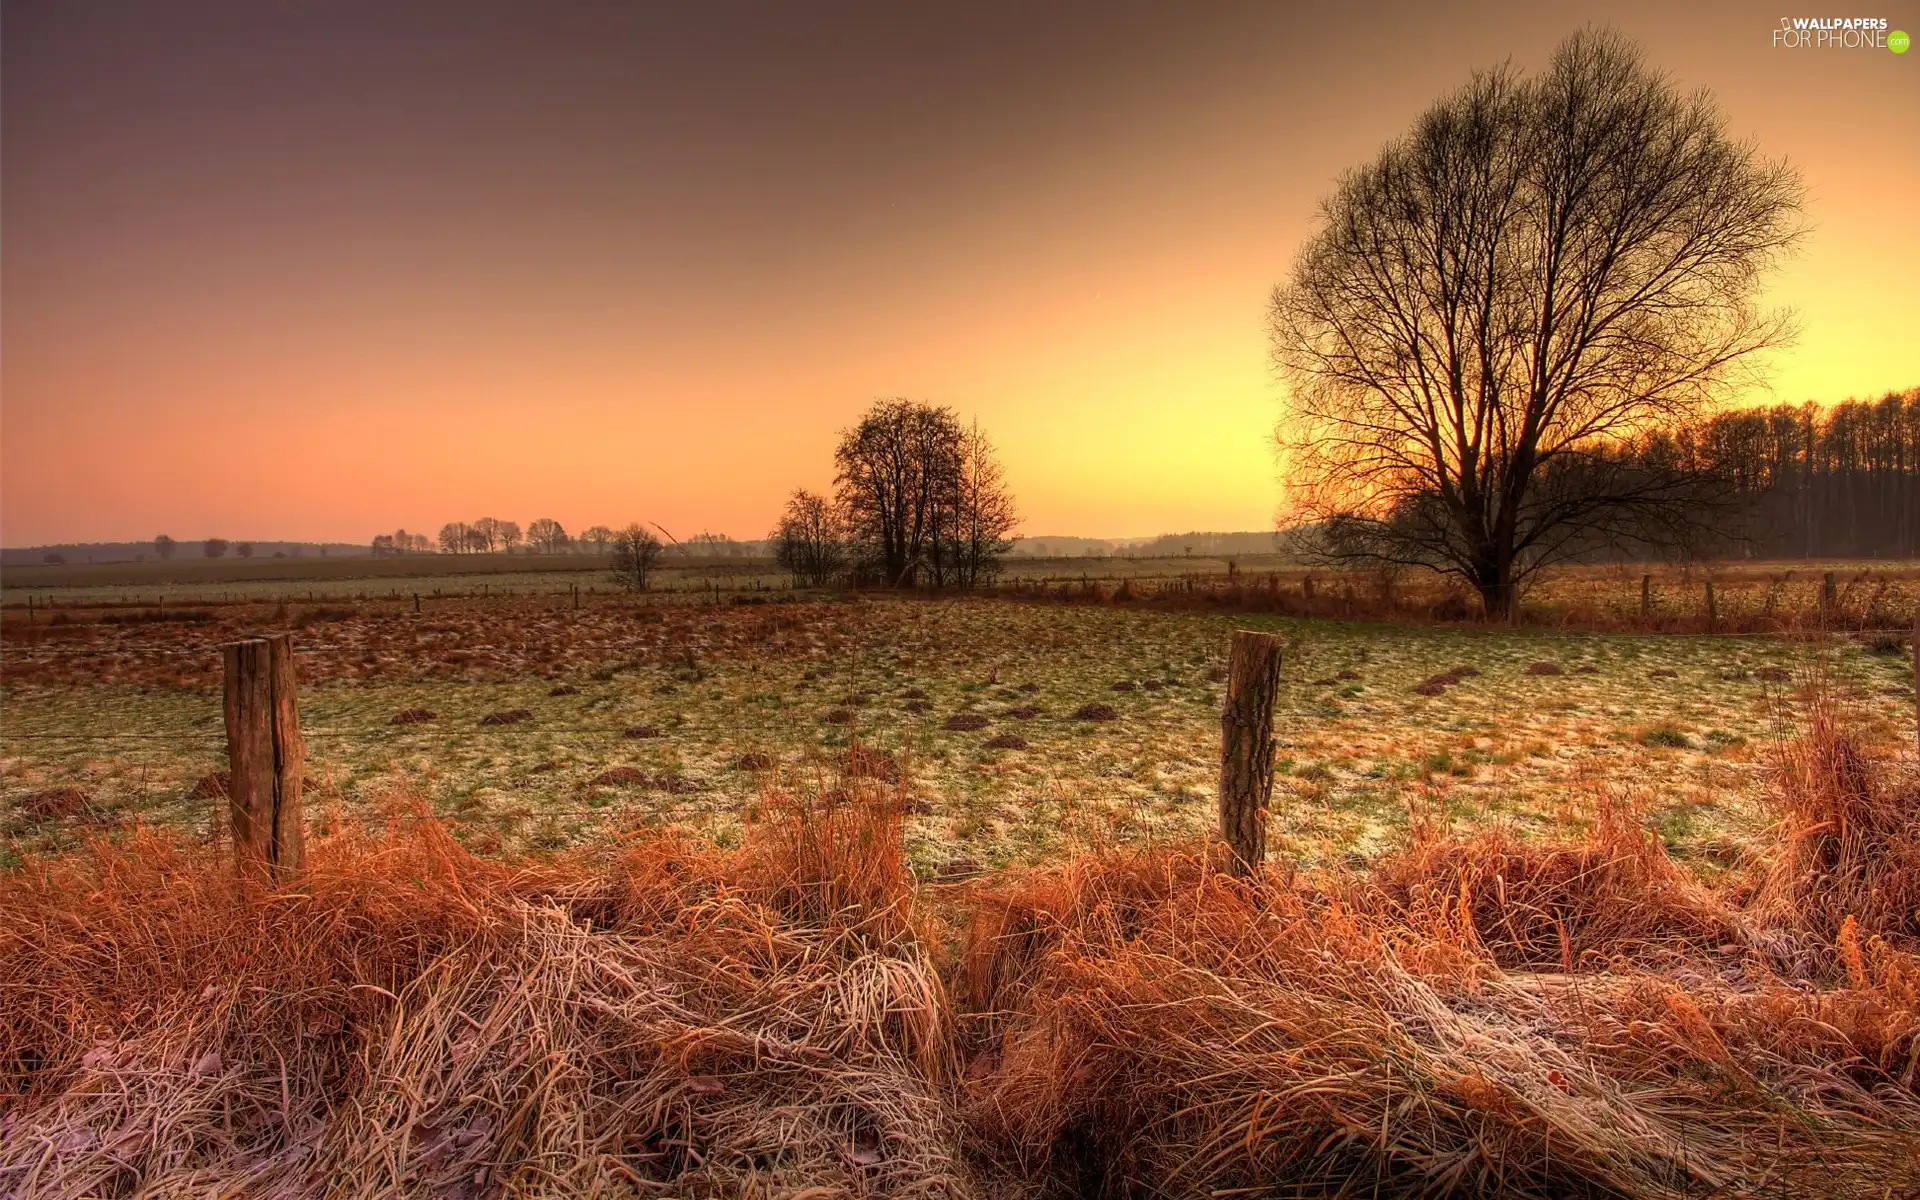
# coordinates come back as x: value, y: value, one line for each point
x: 1246, y: 747
x: 1829, y: 598
x: 416, y: 602
x: 1713, y: 609
x: 265, y: 755
x: 1646, y: 596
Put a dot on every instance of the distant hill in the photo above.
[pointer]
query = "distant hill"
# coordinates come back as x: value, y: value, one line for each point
x: 1063, y: 546
x: 1167, y: 545
x: 1178, y: 545
x: 74, y: 553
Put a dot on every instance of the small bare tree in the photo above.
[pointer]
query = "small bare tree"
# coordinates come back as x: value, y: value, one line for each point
x: 244, y: 549
x: 635, y: 553
x: 453, y: 537
x: 546, y: 536
x: 509, y: 534
x: 163, y: 546
x: 983, y: 519
x: 810, y: 541
x: 214, y: 548
x: 484, y: 534
x: 599, y: 537
x: 1497, y: 313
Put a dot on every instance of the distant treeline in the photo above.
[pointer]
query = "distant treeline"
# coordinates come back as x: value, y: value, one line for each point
x: 82, y: 553
x: 1813, y: 481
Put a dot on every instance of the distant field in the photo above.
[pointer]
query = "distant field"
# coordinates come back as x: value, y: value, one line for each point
x: 228, y: 580
x: 738, y: 696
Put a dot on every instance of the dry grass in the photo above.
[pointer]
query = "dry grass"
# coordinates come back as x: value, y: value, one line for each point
x: 1849, y: 832
x: 798, y: 1017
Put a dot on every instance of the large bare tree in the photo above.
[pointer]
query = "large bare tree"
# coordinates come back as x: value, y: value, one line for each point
x: 922, y: 497
x: 894, y: 468
x: 1495, y: 314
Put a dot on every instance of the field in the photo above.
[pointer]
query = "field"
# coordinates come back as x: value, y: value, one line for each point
x: 658, y: 714
x: 762, y: 893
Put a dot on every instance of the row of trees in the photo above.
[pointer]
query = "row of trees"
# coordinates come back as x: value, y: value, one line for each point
x: 165, y: 548
x: 919, y: 500
x: 1841, y: 481
x: 491, y: 535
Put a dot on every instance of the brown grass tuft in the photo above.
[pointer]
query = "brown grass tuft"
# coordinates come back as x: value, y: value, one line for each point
x: 1849, y: 836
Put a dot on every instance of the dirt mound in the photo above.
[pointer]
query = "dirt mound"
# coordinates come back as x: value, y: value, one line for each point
x: 1433, y: 685
x: 564, y: 689
x: 1095, y: 712
x: 51, y: 803
x: 510, y: 716
x: 213, y: 787
x: 1545, y: 667
x: 640, y: 731
x: 870, y: 762
x: 413, y: 716
x: 1005, y: 741
x: 622, y: 777
x: 1024, y: 712
x: 756, y: 762
x: 1125, y: 685
x: 966, y: 722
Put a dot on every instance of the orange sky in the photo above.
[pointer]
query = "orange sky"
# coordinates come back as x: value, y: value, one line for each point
x: 315, y: 271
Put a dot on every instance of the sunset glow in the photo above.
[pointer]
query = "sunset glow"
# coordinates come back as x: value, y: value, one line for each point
x: 317, y: 272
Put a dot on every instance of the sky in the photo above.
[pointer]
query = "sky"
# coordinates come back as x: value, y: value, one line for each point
x: 318, y: 270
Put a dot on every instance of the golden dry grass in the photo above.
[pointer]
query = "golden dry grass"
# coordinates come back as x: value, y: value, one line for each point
x: 796, y: 1016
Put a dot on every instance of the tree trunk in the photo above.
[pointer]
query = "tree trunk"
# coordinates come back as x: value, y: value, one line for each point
x: 1246, y: 747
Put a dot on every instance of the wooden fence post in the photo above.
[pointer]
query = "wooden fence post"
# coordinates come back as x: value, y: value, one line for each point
x: 1916, y: 677
x: 416, y: 602
x: 1246, y: 747
x: 266, y: 756
x: 1829, y: 598
x: 1646, y: 596
x: 1713, y: 609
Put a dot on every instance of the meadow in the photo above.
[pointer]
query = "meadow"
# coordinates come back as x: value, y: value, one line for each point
x: 529, y: 724
x: 774, y: 894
